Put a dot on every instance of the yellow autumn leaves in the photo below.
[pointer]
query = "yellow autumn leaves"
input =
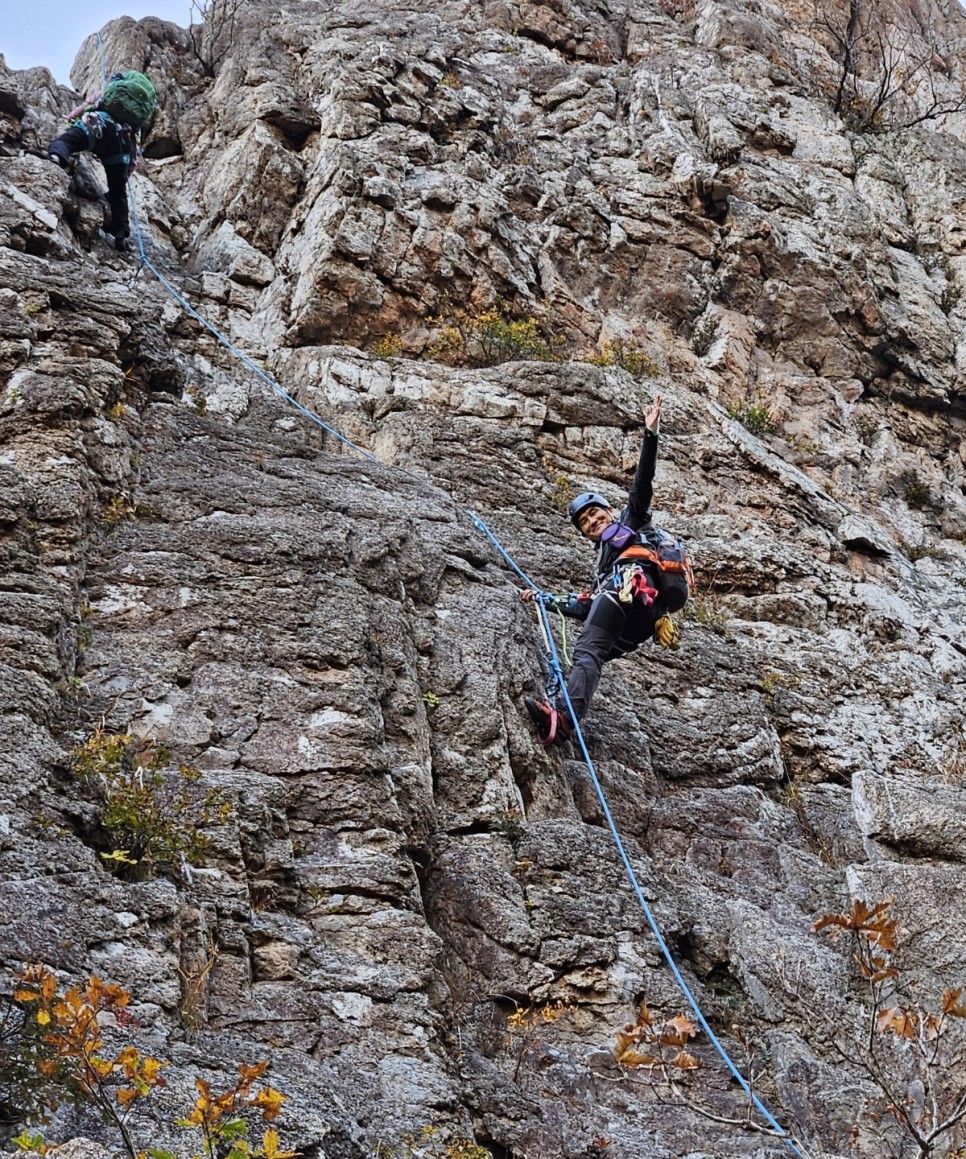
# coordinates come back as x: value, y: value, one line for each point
x: 652, y: 1042
x: 70, y: 1054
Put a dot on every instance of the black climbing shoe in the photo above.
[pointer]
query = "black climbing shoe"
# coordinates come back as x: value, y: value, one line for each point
x: 122, y: 244
x: 552, y: 726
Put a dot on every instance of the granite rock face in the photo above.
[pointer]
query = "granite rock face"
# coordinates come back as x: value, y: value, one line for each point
x: 411, y: 909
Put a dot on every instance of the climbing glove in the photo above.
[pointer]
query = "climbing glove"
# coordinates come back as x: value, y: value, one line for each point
x: 666, y: 632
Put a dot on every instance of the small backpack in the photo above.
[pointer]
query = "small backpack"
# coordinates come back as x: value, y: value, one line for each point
x: 675, y: 576
x: 130, y: 99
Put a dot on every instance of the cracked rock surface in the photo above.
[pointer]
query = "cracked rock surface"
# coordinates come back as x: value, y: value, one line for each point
x: 411, y: 909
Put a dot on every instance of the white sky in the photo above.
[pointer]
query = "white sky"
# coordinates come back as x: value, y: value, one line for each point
x: 50, y: 32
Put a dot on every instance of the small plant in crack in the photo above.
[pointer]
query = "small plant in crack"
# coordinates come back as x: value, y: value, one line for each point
x: 916, y: 491
x: 154, y: 811
x: 511, y: 826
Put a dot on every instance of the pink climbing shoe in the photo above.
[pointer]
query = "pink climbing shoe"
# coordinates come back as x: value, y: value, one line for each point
x: 552, y: 726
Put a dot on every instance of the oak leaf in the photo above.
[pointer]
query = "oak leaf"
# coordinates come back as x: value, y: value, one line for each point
x: 951, y: 1004
x: 271, y: 1148
x: 634, y: 1058
x: 269, y: 1102
x: 904, y: 1023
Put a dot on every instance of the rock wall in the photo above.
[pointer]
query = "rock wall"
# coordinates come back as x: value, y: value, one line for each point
x: 333, y: 645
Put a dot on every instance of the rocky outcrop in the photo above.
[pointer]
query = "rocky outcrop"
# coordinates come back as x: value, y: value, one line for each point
x: 399, y: 869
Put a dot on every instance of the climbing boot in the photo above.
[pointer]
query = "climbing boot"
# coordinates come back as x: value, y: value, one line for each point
x: 552, y: 726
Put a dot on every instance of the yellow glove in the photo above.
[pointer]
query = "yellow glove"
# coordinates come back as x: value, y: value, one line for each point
x: 666, y: 632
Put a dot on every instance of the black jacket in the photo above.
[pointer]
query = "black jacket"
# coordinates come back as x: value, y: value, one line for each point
x: 636, y: 515
x: 113, y: 149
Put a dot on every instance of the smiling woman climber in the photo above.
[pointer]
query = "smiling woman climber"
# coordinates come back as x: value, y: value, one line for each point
x: 640, y: 576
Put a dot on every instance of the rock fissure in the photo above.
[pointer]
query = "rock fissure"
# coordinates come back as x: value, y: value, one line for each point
x: 401, y: 856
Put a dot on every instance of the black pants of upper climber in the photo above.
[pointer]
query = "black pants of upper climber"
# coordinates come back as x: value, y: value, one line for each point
x: 109, y: 144
x: 612, y: 629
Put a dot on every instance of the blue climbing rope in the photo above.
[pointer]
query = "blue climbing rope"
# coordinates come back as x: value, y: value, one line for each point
x: 554, y: 660
x: 557, y: 678
x: 146, y: 261
x: 100, y: 45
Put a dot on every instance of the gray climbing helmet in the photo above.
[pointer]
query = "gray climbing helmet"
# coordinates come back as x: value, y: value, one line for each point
x: 582, y: 502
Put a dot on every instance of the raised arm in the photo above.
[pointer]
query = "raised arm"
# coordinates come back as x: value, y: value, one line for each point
x: 641, y: 494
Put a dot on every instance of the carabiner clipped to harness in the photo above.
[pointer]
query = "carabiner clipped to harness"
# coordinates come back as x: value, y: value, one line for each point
x: 634, y: 586
x: 92, y: 122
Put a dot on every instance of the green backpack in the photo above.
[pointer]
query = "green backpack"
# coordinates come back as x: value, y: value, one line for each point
x: 130, y: 99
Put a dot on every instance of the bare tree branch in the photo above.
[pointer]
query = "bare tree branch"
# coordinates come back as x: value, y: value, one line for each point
x: 214, y: 21
x: 887, y: 77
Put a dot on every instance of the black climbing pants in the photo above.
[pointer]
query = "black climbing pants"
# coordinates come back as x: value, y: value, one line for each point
x: 612, y: 629
x: 109, y: 148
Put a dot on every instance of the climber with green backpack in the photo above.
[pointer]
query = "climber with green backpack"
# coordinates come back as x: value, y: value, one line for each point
x: 641, y: 575
x: 111, y: 125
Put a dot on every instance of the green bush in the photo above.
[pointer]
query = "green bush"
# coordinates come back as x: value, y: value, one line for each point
x: 755, y: 417
x: 634, y: 359
x: 703, y: 335
x: 915, y: 492
x: 491, y: 336
x: 154, y: 811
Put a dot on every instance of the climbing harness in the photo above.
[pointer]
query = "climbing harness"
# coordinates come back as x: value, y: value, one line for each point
x: 632, y: 585
x: 93, y: 122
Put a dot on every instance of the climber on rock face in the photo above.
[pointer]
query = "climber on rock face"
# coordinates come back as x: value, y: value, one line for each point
x: 630, y: 599
x: 110, y: 126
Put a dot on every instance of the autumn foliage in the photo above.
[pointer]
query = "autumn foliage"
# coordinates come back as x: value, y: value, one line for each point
x: 913, y: 1051
x: 63, y: 1041
x: 72, y: 1057
x: 220, y: 1119
x: 524, y: 1026
x: 653, y: 1043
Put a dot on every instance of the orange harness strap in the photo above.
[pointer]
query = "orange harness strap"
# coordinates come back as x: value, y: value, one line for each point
x: 640, y: 552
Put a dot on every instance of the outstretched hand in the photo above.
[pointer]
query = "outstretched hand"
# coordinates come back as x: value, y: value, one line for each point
x: 652, y: 414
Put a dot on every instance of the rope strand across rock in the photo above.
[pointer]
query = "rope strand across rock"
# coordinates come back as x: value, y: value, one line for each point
x: 557, y: 681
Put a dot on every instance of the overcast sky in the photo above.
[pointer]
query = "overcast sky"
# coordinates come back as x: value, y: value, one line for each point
x: 50, y: 32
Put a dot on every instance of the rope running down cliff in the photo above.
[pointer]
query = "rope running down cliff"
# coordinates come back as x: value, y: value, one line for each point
x: 553, y: 660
